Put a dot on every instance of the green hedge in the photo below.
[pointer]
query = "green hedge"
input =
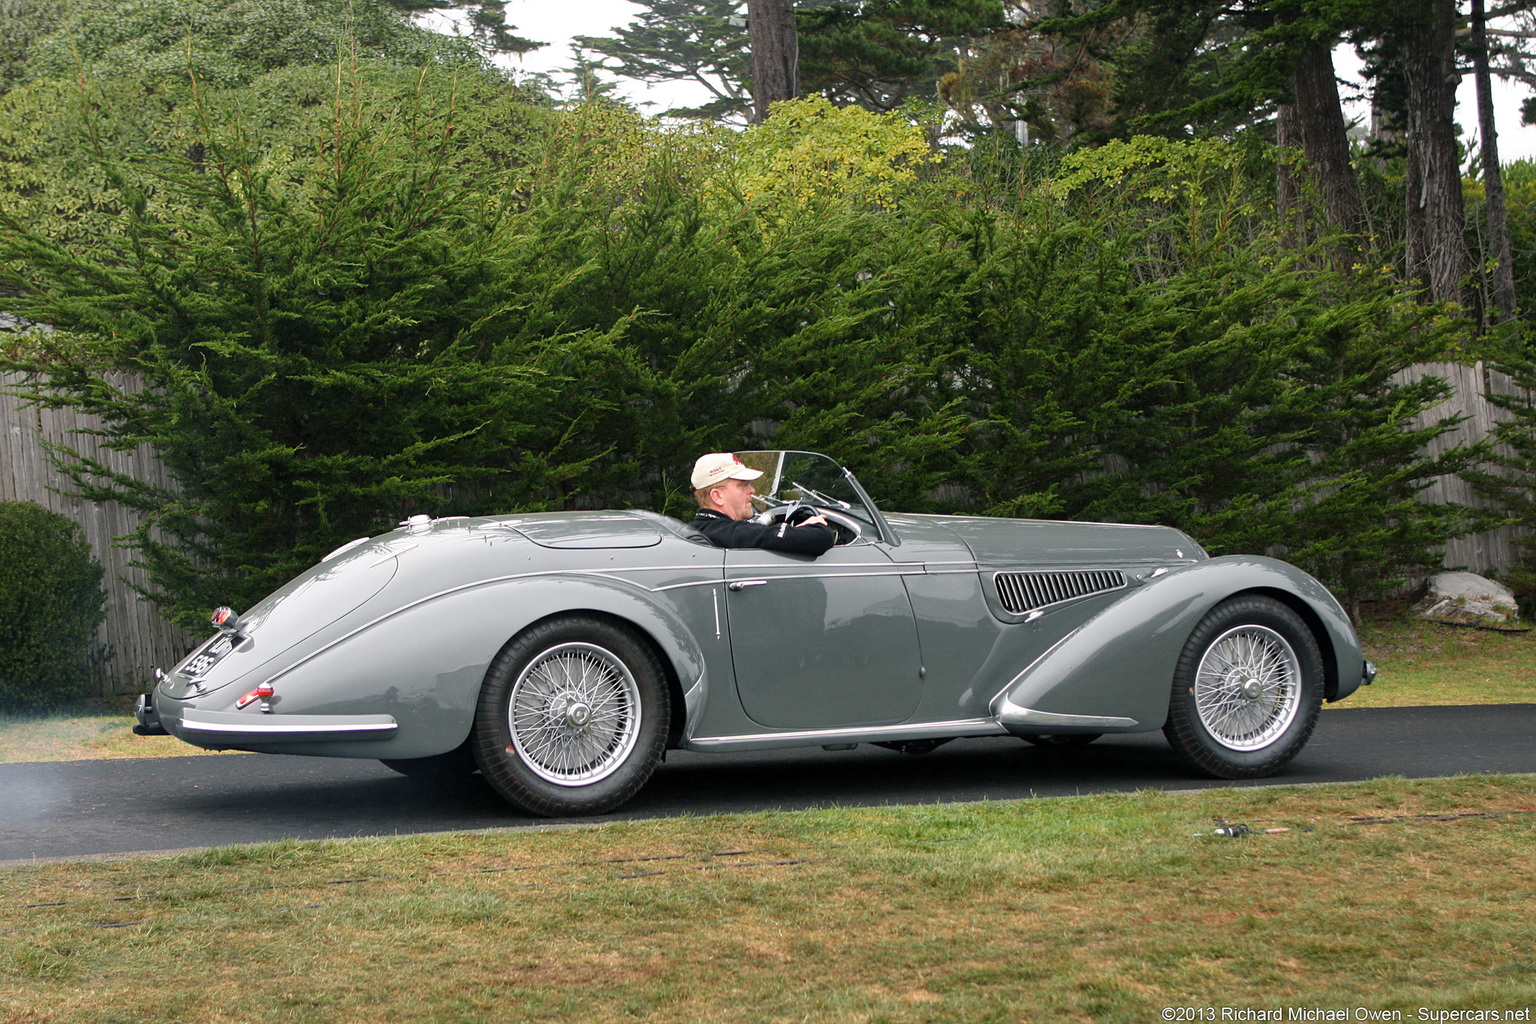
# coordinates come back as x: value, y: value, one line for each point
x: 51, y: 601
x: 412, y: 325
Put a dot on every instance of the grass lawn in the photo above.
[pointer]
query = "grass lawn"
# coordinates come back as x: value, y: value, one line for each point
x: 1428, y: 663
x: 99, y: 730
x: 1390, y: 896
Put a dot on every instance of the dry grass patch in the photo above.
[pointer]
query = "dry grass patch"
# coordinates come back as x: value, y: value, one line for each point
x: 1430, y: 663
x: 92, y: 732
x: 1104, y: 908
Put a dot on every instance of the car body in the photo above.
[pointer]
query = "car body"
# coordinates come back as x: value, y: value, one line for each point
x: 561, y: 654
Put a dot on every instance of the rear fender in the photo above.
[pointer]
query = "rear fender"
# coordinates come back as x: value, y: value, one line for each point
x: 1115, y: 672
x: 424, y: 664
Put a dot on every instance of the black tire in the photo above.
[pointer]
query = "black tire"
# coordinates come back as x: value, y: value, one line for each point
x: 1247, y: 690
x: 1063, y: 739
x: 458, y: 763
x: 583, y: 744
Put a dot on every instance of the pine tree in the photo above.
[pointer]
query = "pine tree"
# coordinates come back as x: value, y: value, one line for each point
x: 875, y: 53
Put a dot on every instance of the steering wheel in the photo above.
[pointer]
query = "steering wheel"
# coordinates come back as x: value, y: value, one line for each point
x: 846, y: 527
x: 800, y: 513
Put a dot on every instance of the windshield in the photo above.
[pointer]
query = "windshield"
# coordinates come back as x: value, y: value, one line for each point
x: 805, y: 477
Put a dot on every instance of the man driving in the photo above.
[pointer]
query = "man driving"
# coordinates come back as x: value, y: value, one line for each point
x: 722, y: 486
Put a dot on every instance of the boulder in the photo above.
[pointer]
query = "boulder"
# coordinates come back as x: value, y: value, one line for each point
x: 1467, y: 599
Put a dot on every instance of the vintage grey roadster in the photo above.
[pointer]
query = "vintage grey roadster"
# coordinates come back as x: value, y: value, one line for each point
x: 561, y: 654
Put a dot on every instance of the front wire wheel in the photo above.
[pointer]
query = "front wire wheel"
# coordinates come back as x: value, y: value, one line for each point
x: 1247, y: 690
x: 1248, y: 687
x: 572, y: 718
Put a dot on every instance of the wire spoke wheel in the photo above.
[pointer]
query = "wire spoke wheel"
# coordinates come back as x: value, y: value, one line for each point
x: 574, y: 714
x: 1248, y: 687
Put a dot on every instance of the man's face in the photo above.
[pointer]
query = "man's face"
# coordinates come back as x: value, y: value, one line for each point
x: 735, y: 498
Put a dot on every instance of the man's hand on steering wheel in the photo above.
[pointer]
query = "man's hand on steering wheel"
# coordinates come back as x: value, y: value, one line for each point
x: 806, y: 515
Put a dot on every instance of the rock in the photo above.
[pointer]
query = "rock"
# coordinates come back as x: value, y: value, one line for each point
x: 1467, y: 599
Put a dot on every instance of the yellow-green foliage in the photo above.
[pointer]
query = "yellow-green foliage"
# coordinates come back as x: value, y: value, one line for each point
x: 1154, y: 168
x: 809, y: 148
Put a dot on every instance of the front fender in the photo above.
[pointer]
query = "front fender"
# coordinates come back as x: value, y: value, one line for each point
x: 423, y: 664
x: 1115, y: 672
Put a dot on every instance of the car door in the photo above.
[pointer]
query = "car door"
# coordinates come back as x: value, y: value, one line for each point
x: 822, y: 643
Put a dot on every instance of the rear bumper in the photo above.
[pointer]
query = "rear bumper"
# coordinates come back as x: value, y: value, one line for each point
x: 238, y: 728
x: 222, y: 730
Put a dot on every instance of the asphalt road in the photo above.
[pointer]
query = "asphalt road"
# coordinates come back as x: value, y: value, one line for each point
x: 87, y: 808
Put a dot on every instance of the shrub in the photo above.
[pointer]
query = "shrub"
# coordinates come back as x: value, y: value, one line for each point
x: 51, y: 601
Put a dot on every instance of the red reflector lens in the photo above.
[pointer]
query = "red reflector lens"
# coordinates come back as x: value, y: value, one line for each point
x: 262, y: 692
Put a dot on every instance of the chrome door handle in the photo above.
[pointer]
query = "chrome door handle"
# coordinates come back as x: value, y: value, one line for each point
x: 744, y: 584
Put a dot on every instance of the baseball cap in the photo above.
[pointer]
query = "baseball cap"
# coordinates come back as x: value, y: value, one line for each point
x: 718, y: 466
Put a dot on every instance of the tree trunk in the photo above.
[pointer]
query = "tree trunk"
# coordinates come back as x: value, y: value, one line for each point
x: 1436, y: 245
x: 775, y: 54
x: 1288, y: 177
x: 1501, y: 290
x: 1324, y: 137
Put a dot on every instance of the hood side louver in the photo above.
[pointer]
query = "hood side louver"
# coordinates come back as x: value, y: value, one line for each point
x: 1025, y: 591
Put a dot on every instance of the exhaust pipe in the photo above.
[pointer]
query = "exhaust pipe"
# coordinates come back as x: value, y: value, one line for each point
x: 148, y: 719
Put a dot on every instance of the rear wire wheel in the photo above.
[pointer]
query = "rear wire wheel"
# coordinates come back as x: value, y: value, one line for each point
x: 1247, y: 689
x: 572, y: 718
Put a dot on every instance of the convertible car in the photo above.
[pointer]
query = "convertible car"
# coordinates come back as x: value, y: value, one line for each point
x: 561, y: 654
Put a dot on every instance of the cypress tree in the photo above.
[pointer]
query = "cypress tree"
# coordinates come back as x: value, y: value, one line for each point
x: 314, y: 347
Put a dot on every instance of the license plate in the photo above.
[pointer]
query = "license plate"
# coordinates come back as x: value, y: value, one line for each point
x: 207, y: 656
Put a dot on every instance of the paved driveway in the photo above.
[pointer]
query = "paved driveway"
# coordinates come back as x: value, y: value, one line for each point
x: 83, y: 808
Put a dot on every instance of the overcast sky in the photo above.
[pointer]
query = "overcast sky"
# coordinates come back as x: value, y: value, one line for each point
x: 555, y: 21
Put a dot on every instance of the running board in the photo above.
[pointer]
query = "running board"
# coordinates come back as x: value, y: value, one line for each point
x: 840, y: 737
x: 1024, y: 721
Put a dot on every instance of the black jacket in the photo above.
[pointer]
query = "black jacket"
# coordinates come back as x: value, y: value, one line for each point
x: 725, y: 532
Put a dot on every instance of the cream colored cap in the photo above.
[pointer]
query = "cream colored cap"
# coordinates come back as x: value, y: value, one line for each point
x: 718, y: 466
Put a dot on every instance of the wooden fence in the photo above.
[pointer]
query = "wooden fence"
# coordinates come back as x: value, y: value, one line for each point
x: 140, y: 639
x: 1478, y: 552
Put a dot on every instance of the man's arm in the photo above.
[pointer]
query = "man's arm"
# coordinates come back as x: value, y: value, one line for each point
x: 811, y: 539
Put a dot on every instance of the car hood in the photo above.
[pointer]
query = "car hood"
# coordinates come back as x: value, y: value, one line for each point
x: 1023, y: 542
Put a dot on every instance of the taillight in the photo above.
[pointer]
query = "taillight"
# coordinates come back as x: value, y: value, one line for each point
x: 263, y: 692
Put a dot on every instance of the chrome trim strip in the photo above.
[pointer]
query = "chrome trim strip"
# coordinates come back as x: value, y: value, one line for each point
x: 393, y: 553
x: 257, y: 728
x: 861, y: 734
x: 900, y: 569
x: 842, y: 570
x: 1011, y: 714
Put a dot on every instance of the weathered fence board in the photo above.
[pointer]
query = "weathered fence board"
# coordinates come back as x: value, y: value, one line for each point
x: 140, y: 639
x: 1478, y: 552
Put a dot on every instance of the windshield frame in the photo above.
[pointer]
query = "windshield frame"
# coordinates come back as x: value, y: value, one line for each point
x: 774, y: 481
